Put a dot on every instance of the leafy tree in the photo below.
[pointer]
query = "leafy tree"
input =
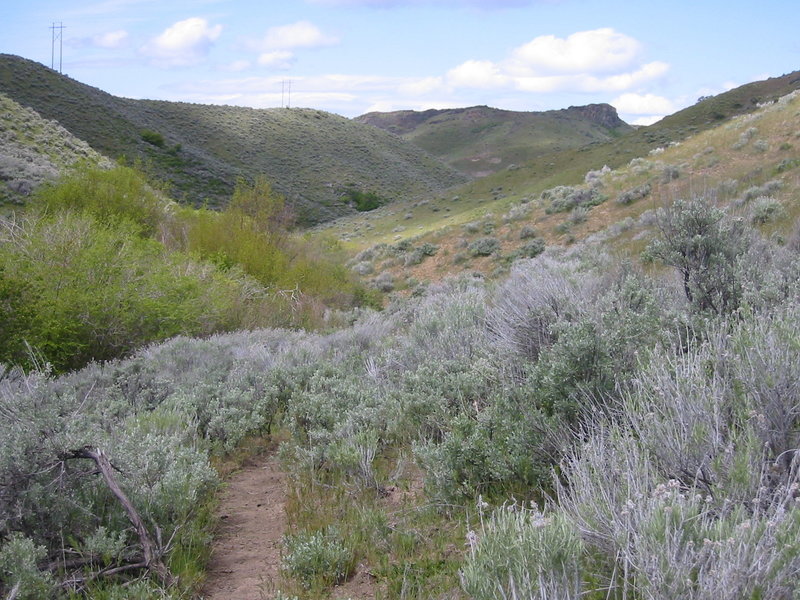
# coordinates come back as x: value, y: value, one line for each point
x: 704, y: 245
x: 262, y: 204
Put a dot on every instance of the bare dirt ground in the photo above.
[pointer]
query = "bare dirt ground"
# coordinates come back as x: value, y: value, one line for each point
x: 245, y: 562
x: 246, y: 558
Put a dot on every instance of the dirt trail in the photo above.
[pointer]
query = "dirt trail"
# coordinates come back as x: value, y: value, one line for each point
x: 246, y: 559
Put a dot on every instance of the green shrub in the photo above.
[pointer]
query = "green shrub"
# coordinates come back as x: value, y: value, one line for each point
x: 632, y: 195
x: 766, y: 210
x: 317, y: 559
x: 566, y: 198
x: 503, y: 450
x: 522, y: 553
x: 19, y: 571
x: 531, y: 249
x: 485, y: 246
x: 153, y: 137
x: 363, y: 201
x: 704, y: 245
x: 95, y: 291
x: 109, y: 196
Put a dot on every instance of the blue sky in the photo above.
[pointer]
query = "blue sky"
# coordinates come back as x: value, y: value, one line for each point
x: 647, y: 58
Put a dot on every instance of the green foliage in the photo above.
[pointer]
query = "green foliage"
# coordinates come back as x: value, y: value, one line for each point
x: 566, y: 198
x: 96, y: 291
x: 766, y: 210
x: 153, y: 137
x: 485, y: 246
x: 531, y: 249
x: 632, y: 195
x: 363, y: 201
x: 251, y: 234
x: 19, y: 569
x: 522, y: 553
x: 109, y: 196
x: 319, y: 558
x: 501, y: 451
x: 704, y: 245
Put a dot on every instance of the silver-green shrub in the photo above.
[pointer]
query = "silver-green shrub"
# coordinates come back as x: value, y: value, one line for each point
x: 522, y: 553
x: 317, y: 558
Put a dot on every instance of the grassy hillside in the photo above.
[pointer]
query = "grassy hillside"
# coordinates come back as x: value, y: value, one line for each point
x: 750, y: 161
x: 312, y: 157
x: 482, y: 140
x: 34, y: 150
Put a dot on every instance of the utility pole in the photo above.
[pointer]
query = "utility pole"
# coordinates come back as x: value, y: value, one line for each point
x: 286, y: 93
x: 60, y: 37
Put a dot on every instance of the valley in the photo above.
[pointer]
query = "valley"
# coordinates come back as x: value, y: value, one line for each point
x: 453, y: 354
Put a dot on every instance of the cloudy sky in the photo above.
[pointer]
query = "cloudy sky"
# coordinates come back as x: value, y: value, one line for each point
x: 648, y: 58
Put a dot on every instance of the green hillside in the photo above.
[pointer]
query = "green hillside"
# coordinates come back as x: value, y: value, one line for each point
x: 569, y: 166
x: 481, y: 140
x: 749, y: 161
x: 311, y: 156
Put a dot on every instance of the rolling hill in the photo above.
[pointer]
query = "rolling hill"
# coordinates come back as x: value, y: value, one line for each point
x: 310, y: 156
x: 481, y: 140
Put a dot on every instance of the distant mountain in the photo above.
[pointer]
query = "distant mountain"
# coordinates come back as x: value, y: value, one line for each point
x: 482, y: 140
x: 34, y: 150
x: 311, y: 156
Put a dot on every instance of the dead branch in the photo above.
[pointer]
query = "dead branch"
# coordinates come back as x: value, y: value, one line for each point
x: 152, y: 553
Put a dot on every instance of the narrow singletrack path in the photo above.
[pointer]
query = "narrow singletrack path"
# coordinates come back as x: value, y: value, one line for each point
x: 246, y: 559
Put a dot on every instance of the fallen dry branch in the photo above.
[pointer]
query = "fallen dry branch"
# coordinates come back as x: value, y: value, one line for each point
x: 151, y: 552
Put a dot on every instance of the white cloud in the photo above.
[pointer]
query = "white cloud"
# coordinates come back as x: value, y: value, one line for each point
x: 476, y: 74
x: 302, y: 34
x: 111, y: 39
x: 596, y: 51
x: 601, y: 60
x: 237, y: 65
x: 643, y: 104
x: 421, y: 87
x: 278, y: 59
x: 185, y: 43
x: 625, y: 81
x: 108, y: 40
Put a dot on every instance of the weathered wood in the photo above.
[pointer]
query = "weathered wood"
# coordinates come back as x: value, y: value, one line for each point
x: 151, y: 551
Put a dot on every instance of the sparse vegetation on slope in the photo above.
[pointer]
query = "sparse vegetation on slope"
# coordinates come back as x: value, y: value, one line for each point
x: 33, y: 151
x: 761, y: 180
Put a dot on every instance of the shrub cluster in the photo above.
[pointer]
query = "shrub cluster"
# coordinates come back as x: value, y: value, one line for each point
x: 666, y: 408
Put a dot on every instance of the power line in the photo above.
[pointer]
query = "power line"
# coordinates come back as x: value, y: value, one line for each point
x: 286, y: 93
x: 60, y: 37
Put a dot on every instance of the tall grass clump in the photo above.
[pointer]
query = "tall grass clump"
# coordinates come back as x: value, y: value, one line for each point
x: 523, y: 553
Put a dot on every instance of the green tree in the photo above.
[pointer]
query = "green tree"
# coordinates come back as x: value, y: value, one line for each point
x: 704, y: 245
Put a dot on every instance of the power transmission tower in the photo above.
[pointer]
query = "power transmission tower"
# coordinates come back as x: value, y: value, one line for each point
x: 60, y: 37
x: 286, y: 93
